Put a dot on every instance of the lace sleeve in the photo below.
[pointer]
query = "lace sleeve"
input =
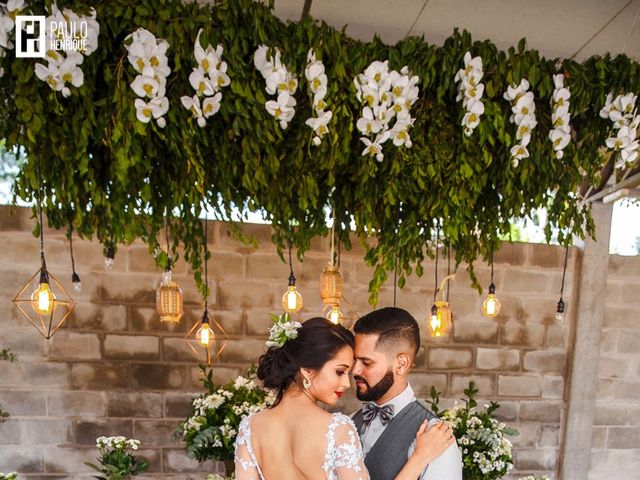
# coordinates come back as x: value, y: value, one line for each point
x: 246, y: 468
x: 344, y: 457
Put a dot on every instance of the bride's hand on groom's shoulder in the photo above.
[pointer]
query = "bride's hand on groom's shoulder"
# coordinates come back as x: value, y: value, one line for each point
x: 432, y: 441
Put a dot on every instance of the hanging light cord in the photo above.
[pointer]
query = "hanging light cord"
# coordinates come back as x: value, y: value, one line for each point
x: 564, y: 270
x: 435, y: 288
x: 491, y: 258
x: 448, y: 269
x: 166, y: 234
x: 292, y: 277
x: 206, y: 263
x: 395, y: 266
x: 43, y: 272
x: 73, y: 263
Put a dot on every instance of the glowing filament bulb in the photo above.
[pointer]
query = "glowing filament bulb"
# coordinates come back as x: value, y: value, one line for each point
x: 435, y: 323
x: 204, y: 335
x: 42, y: 299
x: 292, y: 300
x: 335, y: 315
x: 491, y: 305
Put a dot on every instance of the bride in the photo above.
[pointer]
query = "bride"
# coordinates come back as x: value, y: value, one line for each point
x: 295, y: 438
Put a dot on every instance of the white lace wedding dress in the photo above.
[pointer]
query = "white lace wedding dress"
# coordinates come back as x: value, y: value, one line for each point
x: 343, y: 458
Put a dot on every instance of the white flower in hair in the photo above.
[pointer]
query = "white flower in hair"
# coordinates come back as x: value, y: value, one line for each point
x: 283, y: 330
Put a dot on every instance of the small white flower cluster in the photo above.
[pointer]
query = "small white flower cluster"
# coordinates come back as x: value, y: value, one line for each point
x: 279, y: 81
x: 63, y: 67
x: 470, y: 91
x: 7, y: 14
x: 8, y: 476
x: 385, y: 95
x: 317, y: 80
x: 523, y: 115
x: 216, y: 476
x: 117, y: 443
x: 625, y: 118
x: 206, y: 79
x: 282, y: 330
x: 560, y: 134
x: 148, y: 56
x: 535, y: 477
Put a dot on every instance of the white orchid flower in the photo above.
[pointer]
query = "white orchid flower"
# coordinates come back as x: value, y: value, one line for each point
x: 514, y: 92
x: 219, y: 78
x: 401, y: 137
x: 377, y: 71
x: 560, y: 121
x: 282, y: 109
x: 383, y: 114
x: 316, y: 77
x: 201, y: 83
x: 318, y: 100
x: 472, y: 92
x: 274, y: 79
x: 608, y: 104
x: 367, y: 124
x: 370, y: 95
x: 93, y: 32
x: 472, y: 118
x: 70, y: 72
x: 622, y: 140
x: 626, y: 103
x: 518, y: 152
x: 6, y: 26
x: 260, y: 59
x: 524, y: 107
x: 143, y: 111
x: 561, y: 96
x: 372, y: 149
x: 559, y: 139
x: 144, y: 86
x: 558, y: 81
x: 51, y: 75
x: 629, y: 154
x: 211, y: 105
x: 471, y: 64
x: 193, y: 105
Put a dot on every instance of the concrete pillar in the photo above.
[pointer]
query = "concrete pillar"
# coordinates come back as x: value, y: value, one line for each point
x: 589, y: 317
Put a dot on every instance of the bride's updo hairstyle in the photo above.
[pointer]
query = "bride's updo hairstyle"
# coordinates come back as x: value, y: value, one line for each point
x: 318, y: 341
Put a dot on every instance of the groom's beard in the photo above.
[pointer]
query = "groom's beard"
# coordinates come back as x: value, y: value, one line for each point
x: 375, y: 393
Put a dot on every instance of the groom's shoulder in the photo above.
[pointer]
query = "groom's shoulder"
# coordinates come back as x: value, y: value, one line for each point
x: 428, y: 413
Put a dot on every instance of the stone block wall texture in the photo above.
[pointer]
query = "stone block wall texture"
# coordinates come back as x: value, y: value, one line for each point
x: 115, y: 369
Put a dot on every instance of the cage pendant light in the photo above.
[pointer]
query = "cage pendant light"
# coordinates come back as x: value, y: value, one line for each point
x: 169, y: 300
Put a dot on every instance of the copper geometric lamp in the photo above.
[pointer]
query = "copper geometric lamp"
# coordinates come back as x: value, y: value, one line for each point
x: 207, y: 336
x: 49, y: 305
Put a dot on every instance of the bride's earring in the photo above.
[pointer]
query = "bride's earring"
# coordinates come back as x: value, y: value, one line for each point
x: 306, y: 383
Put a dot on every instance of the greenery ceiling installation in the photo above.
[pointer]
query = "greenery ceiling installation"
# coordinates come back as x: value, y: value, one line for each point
x: 115, y: 177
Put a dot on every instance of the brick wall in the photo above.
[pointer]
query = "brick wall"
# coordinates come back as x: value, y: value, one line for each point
x: 115, y: 369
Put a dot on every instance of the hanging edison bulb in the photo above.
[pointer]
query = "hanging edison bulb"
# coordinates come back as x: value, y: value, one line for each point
x: 491, y: 305
x: 42, y: 299
x: 292, y: 300
x: 109, y: 259
x: 440, y: 319
x: 335, y: 316
x: 560, y: 311
x: 205, y: 336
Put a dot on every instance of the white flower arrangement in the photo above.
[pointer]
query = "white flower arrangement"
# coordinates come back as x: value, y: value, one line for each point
x: 7, y: 13
x: 63, y: 67
x: 207, y: 79
x: 279, y: 81
x: 386, y: 96
x: 470, y: 91
x: 523, y: 115
x: 317, y: 81
x: 282, y: 330
x: 119, y: 442
x: 535, y: 477
x: 211, y: 428
x: 148, y: 56
x: 625, y: 118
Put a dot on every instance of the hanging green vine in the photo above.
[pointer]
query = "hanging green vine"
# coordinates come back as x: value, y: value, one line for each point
x: 115, y: 176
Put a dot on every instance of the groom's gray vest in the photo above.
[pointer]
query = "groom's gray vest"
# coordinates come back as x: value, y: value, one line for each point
x: 389, y: 454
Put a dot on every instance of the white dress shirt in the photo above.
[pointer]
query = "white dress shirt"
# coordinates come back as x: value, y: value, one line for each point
x: 447, y: 466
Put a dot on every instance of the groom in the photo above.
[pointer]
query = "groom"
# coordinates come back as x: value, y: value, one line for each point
x: 387, y: 341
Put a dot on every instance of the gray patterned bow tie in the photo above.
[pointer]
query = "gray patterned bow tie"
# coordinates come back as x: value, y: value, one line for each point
x: 371, y: 410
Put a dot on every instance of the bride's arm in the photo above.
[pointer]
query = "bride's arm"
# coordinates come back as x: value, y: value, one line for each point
x: 431, y: 442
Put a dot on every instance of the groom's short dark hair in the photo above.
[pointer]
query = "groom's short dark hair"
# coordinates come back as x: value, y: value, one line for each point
x: 393, y: 325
